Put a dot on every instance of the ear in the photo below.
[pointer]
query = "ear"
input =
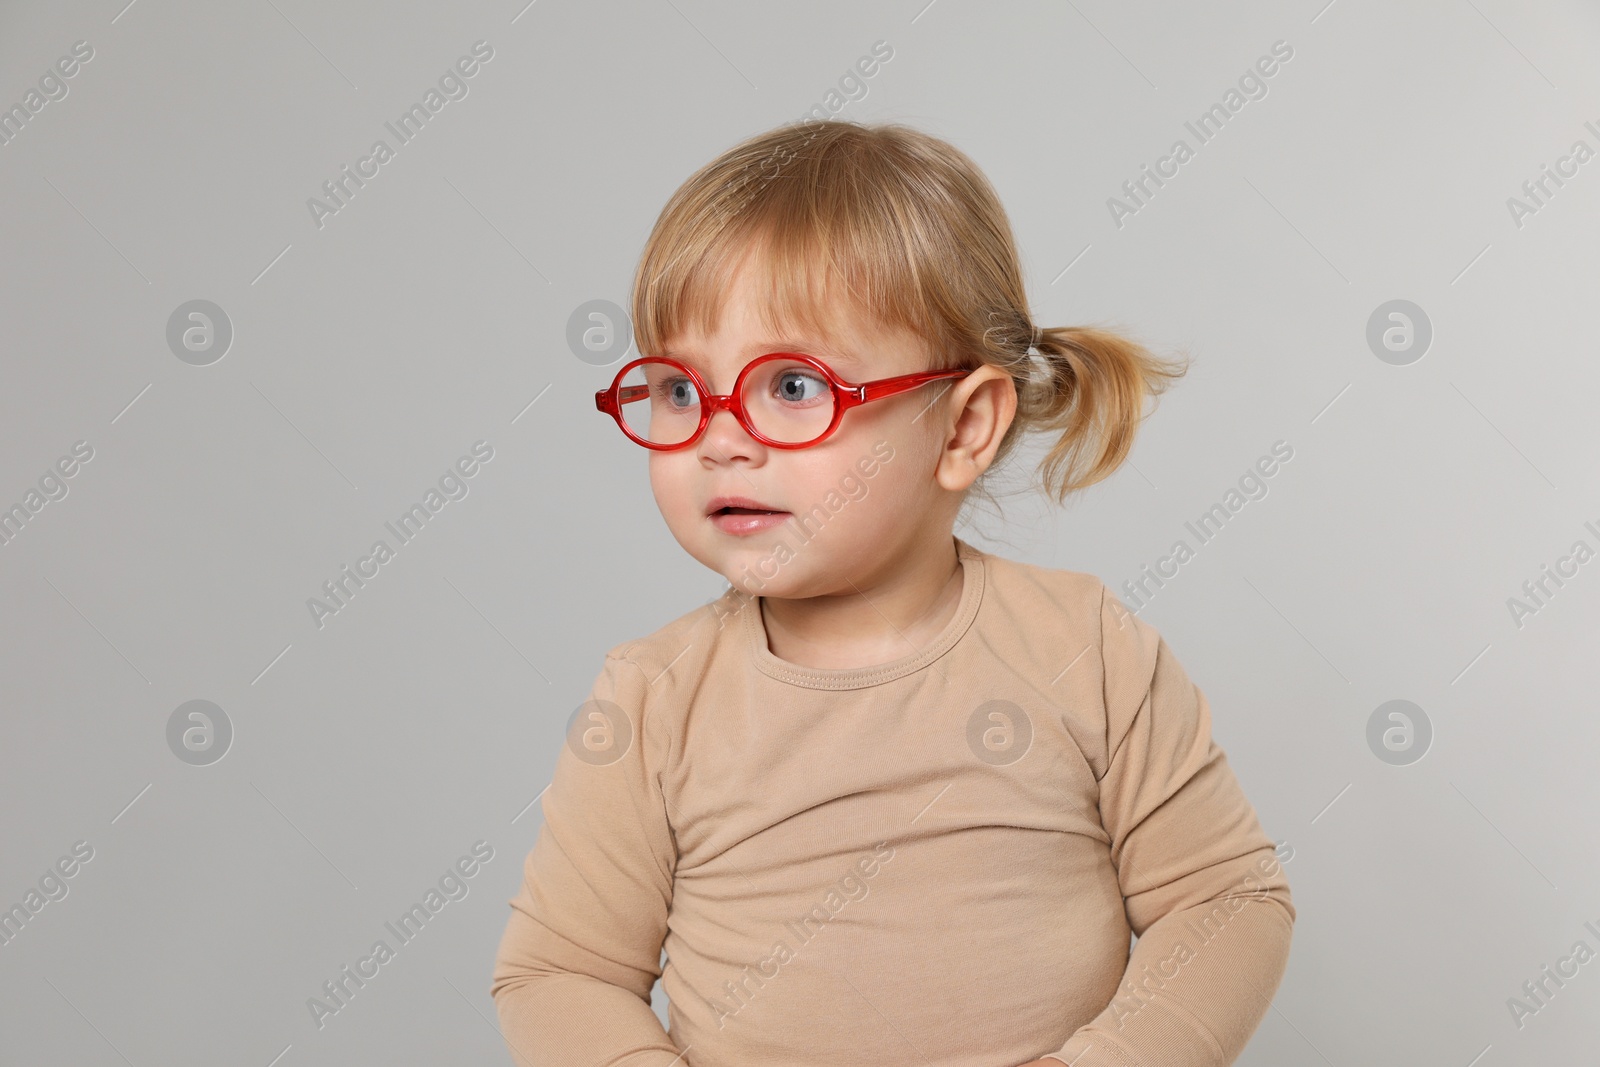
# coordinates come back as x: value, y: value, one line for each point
x: 980, y: 409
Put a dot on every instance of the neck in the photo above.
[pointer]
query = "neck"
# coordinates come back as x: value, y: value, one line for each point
x: 893, y: 612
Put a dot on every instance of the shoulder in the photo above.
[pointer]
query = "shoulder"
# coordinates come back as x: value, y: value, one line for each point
x: 1045, y: 624
x: 670, y: 661
x: 646, y: 686
x: 1077, y: 601
x: 1058, y: 581
x: 1078, y: 644
x: 1055, y: 602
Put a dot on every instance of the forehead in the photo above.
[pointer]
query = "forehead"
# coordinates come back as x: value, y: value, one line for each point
x: 752, y: 316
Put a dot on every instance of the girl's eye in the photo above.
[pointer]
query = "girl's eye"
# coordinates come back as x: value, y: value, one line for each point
x: 679, y: 392
x: 798, y: 386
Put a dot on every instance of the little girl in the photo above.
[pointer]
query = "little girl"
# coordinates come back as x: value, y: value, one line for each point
x: 889, y: 799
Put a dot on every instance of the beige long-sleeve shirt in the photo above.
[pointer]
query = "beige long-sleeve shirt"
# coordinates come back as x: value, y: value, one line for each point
x: 933, y: 861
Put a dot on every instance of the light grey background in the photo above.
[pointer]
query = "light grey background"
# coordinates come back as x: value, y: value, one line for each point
x: 431, y: 312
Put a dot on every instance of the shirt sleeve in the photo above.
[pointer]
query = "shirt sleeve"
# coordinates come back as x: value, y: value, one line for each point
x: 1200, y: 880
x: 582, y: 949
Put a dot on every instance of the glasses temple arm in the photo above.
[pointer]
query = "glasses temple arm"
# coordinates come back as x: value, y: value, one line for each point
x: 905, y: 383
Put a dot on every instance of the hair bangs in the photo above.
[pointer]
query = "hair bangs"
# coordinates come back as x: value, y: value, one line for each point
x: 824, y: 235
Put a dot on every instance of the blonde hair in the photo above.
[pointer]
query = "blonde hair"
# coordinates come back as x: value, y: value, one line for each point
x: 914, y: 231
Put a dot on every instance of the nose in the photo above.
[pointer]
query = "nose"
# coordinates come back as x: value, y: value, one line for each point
x: 724, y: 437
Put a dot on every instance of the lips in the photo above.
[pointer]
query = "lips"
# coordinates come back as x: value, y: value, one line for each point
x: 739, y: 516
x: 739, y: 505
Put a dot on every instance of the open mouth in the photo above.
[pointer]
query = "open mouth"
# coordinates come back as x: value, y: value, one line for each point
x: 731, y: 505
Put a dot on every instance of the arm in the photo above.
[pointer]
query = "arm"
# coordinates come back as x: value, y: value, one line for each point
x: 575, y: 966
x: 1200, y: 881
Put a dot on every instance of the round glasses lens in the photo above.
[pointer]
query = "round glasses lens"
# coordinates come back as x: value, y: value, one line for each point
x: 788, y: 401
x: 659, y: 403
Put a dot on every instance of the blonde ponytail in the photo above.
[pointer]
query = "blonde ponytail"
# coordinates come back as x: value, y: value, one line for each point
x: 1090, y: 395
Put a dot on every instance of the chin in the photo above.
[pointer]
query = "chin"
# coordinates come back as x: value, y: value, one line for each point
x: 755, y: 571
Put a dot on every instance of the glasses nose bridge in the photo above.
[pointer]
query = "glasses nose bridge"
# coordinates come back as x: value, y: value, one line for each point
x: 714, y: 403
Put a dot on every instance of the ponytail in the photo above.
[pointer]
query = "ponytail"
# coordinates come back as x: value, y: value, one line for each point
x: 1090, y: 394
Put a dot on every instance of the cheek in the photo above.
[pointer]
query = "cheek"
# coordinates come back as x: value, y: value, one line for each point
x: 894, y: 481
x: 667, y: 481
x: 908, y: 420
x: 915, y: 440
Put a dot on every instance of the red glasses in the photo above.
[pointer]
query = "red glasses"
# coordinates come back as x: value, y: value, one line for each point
x: 782, y: 399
